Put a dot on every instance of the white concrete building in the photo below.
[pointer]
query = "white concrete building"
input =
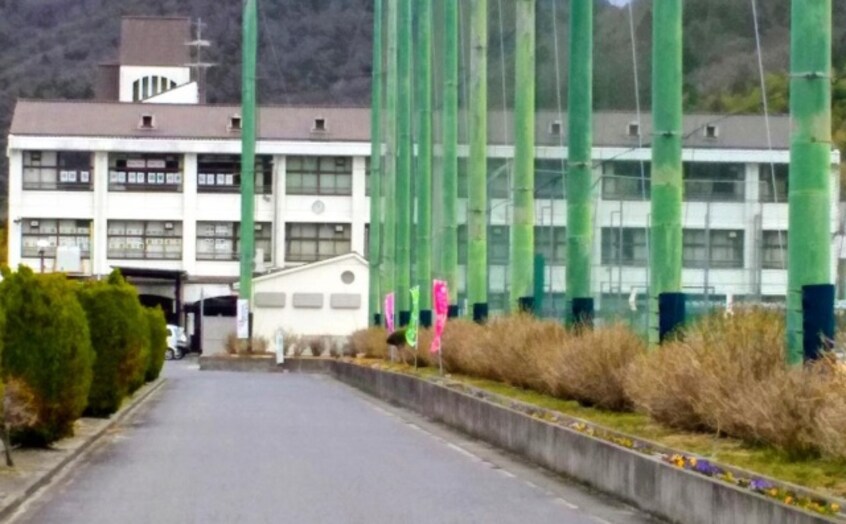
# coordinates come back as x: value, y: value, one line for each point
x: 153, y: 188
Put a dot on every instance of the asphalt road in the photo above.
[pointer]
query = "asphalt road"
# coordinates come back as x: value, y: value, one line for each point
x: 238, y: 448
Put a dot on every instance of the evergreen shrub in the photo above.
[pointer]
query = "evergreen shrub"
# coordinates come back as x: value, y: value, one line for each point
x: 47, y: 346
x: 119, y: 333
x: 157, y: 325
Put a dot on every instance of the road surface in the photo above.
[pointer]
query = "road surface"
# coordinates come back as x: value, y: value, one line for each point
x: 253, y: 448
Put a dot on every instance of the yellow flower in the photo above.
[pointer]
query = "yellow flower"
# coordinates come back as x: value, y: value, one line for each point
x: 788, y: 500
x: 693, y: 462
x: 835, y: 508
x: 773, y: 492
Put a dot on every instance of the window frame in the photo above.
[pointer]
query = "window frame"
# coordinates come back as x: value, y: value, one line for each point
x: 227, y: 168
x: 694, y: 178
x: 125, y: 167
x: 559, y: 244
x: 264, y: 236
x: 709, y: 261
x: 633, y: 241
x: 145, y: 237
x: 630, y: 184
x: 765, y: 183
x: 291, y: 238
x: 774, y: 249
x: 55, y: 236
x: 85, y: 174
x: 321, y: 189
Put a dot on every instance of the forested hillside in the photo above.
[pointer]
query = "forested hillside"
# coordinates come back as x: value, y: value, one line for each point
x: 318, y: 51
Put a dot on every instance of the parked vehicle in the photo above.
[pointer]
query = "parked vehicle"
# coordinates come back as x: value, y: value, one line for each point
x: 177, y: 343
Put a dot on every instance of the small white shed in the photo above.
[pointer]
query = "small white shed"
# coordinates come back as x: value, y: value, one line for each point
x: 326, y: 298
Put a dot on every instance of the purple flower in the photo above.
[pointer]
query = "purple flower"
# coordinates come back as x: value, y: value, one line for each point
x: 760, y: 485
x: 706, y: 468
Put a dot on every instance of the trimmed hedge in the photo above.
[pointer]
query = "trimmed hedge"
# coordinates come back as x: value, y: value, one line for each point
x: 120, y: 333
x: 157, y: 324
x: 47, y: 346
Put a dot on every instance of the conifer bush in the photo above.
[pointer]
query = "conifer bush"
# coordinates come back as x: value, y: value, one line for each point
x: 157, y: 325
x: 47, y: 347
x: 119, y: 333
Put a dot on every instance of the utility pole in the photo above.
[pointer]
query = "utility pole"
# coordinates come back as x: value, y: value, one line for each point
x: 248, y: 147
x: 449, y: 252
x: 580, y: 164
x: 376, y: 168
x: 423, y: 174
x: 200, y: 68
x: 666, y: 300
x: 390, y: 166
x: 477, y: 227
x: 405, y: 160
x: 809, y: 238
x: 523, y: 190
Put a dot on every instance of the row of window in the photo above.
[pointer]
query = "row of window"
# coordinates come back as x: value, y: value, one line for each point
x: 69, y: 171
x: 162, y: 240
x: 332, y: 176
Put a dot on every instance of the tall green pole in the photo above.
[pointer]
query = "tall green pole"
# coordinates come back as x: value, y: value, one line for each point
x: 809, y: 256
x: 523, y: 190
x: 477, y: 252
x: 405, y: 159
x: 390, y: 165
x: 580, y: 160
x: 248, y: 146
x: 449, y: 250
x: 423, y: 173
x: 667, y: 181
x: 376, y: 167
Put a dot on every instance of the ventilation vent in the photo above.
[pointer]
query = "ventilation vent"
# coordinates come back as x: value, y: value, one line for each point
x: 556, y: 128
x: 235, y: 123
x: 147, y: 122
x: 633, y: 129
x: 711, y: 131
x: 319, y: 125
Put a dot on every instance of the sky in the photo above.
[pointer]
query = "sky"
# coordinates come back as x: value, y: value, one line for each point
x: 619, y: 3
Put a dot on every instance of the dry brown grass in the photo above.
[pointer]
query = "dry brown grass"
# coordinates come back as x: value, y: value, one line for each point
x: 20, y: 405
x: 592, y: 367
x: 370, y: 342
x: 235, y: 346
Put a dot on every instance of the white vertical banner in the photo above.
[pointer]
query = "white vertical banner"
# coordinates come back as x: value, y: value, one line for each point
x: 243, y: 319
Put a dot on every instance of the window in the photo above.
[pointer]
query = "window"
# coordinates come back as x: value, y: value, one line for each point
x: 57, y: 170
x: 57, y: 233
x: 498, y: 178
x: 626, y: 180
x: 499, y: 245
x: 150, y: 240
x: 774, y: 189
x: 142, y: 172
x: 715, y: 182
x: 222, y: 240
x: 551, y: 242
x: 625, y: 247
x: 549, y: 179
x: 222, y: 174
x: 151, y: 86
x: 724, y: 252
x: 313, y: 242
x: 774, y: 250
x: 311, y: 175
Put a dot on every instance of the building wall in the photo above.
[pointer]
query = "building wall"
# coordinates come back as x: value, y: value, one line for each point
x: 189, y: 206
x: 130, y: 74
x: 321, y: 282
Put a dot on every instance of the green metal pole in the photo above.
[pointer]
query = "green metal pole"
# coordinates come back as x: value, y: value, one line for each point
x: 423, y: 174
x: 248, y: 146
x: 667, y: 181
x: 405, y: 159
x: 580, y: 160
x: 809, y: 248
x: 376, y: 167
x: 449, y: 250
x: 523, y: 192
x: 389, y: 167
x: 477, y: 252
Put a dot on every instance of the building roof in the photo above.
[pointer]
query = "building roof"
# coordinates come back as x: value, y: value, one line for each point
x: 306, y: 267
x: 155, y: 41
x: 352, y: 124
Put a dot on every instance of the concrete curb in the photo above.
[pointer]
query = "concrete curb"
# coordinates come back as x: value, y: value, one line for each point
x: 44, y: 479
x: 645, y: 482
x: 265, y: 364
